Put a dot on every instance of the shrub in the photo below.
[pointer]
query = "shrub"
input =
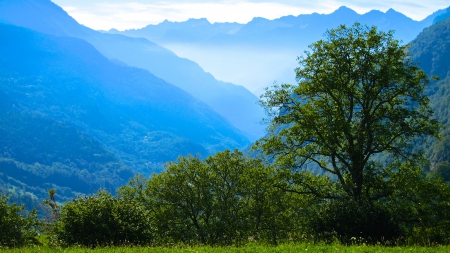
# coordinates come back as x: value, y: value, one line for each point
x: 355, y: 222
x: 16, y: 228
x: 101, y: 220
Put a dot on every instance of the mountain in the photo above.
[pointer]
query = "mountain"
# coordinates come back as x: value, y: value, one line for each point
x: 442, y: 16
x: 288, y: 30
x: 263, y: 51
x: 234, y: 102
x: 431, y: 50
x: 73, y: 120
x: 192, y: 30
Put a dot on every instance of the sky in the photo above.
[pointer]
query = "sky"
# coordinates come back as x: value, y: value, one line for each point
x: 129, y: 14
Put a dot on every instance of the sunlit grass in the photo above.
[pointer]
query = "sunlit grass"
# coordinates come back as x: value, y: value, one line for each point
x: 249, y: 248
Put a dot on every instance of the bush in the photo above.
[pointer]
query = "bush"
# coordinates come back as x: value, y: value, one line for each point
x: 355, y: 222
x: 16, y: 229
x: 101, y: 220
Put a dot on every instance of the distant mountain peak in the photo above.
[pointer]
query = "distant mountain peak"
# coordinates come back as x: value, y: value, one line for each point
x: 35, y: 14
x: 376, y: 11
x: 198, y: 22
x: 392, y: 12
x: 343, y: 7
x: 258, y: 19
x: 344, y: 10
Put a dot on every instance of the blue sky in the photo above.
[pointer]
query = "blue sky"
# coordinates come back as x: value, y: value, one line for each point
x: 126, y: 14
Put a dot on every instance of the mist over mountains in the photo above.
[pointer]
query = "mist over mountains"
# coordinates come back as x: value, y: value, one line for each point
x: 234, y: 102
x: 263, y: 51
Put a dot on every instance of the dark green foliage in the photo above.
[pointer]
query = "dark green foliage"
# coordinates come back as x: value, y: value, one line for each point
x: 16, y: 228
x: 443, y: 170
x: 424, y: 209
x: 359, y: 96
x: 102, y: 219
x: 223, y: 199
x: 353, y: 222
x: 355, y: 113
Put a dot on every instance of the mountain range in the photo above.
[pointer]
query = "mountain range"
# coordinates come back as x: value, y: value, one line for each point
x: 263, y: 51
x: 234, y: 102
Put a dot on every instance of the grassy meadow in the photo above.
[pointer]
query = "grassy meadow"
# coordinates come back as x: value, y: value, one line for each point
x: 248, y: 248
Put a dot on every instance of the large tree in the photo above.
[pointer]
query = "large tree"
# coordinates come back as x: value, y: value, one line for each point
x: 354, y: 115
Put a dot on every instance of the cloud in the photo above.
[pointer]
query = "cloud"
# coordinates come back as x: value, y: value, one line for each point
x: 123, y: 14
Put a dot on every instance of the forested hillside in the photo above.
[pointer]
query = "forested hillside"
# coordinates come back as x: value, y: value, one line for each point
x: 75, y: 121
x: 234, y: 102
x: 431, y: 50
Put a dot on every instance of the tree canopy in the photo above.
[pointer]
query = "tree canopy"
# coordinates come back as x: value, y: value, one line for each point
x: 359, y: 97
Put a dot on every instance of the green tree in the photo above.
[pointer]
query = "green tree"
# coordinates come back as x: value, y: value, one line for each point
x: 197, y: 201
x: 103, y: 219
x: 272, y: 213
x: 354, y: 115
x: 16, y: 228
x: 359, y: 96
x: 221, y: 200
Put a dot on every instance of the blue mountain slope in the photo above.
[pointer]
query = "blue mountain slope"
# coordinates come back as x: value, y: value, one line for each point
x: 225, y: 98
x: 74, y: 120
x: 40, y: 15
x: 431, y: 50
x: 88, y: 75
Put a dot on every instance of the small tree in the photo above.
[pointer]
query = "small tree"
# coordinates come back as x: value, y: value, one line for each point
x: 16, y: 228
x: 53, y: 210
x: 354, y: 116
x: 197, y: 201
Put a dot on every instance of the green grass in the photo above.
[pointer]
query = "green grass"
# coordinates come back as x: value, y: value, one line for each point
x: 250, y: 248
